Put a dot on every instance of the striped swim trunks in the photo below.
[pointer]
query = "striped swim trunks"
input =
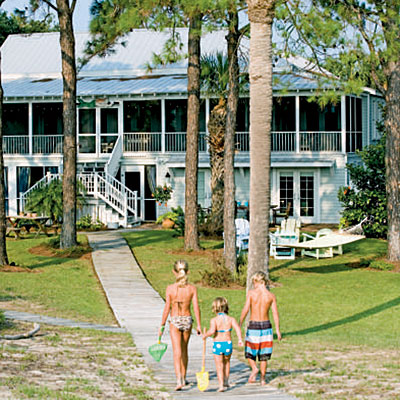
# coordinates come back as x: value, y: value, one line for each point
x: 259, y: 340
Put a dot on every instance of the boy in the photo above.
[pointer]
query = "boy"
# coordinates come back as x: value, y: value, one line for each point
x: 259, y: 332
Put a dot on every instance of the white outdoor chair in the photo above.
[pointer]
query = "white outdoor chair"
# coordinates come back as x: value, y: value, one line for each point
x: 242, y: 234
x: 287, y: 234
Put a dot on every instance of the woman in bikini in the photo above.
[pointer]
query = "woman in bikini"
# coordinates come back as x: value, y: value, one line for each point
x: 178, y: 298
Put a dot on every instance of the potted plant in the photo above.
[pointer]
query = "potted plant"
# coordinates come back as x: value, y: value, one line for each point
x: 162, y: 194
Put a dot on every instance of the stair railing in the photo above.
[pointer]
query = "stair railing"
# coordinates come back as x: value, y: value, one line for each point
x: 112, y: 165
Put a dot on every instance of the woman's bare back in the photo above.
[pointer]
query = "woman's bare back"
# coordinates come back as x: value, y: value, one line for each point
x: 180, y: 299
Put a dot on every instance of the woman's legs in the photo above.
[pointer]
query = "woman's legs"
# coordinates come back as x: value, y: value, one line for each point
x: 219, y: 366
x: 176, y: 339
x: 227, y: 368
x: 184, y: 351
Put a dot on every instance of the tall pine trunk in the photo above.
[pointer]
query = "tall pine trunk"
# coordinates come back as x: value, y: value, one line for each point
x: 67, y: 43
x: 192, y: 134
x: 261, y: 18
x: 392, y: 125
x: 3, y: 226
x: 229, y: 155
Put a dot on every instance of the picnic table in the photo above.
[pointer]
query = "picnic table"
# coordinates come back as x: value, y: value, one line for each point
x: 39, y: 222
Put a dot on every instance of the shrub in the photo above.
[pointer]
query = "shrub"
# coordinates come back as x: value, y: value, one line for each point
x: 381, y: 265
x: 368, y: 197
x: 86, y: 223
x: 220, y: 276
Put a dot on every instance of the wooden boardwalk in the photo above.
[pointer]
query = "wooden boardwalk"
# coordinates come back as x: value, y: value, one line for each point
x: 138, y: 307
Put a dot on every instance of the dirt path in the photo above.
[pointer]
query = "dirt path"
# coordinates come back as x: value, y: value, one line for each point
x: 72, y: 364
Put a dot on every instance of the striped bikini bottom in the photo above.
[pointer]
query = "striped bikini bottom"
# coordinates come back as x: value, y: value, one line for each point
x: 259, y: 340
x: 182, y: 322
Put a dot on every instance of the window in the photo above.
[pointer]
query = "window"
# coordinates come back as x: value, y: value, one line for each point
x: 142, y: 116
x: 313, y: 118
x: 15, y: 119
x: 284, y: 114
x: 47, y: 119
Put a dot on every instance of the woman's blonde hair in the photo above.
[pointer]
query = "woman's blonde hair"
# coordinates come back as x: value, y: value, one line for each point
x: 259, y: 277
x: 181, y: 267
x: 220, y: 304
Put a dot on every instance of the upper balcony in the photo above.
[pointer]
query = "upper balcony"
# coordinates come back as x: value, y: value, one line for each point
x: 175, y: 142
x: 159, y: 126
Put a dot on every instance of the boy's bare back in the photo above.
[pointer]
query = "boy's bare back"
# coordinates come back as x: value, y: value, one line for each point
x: 261, y: 300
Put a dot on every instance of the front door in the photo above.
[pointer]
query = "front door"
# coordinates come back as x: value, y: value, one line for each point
x: 299, y: 189
x: 141, y: 179
x: 133, y: 178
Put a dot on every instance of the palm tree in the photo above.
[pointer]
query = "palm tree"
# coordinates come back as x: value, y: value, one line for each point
x: 215, y: 83
x: 261, y: 15
x: 214, y: 76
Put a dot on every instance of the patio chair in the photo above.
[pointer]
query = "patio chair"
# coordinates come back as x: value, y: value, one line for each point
x: 282, y: 212
x: 242, y: 234
x: 326, y: 252
x: 287, y: 234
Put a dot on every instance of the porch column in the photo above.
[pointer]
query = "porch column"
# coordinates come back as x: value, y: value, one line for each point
x: 121, y: 123
x: 98, y: 122
x: 12, y: 190
x: 207, y: 119
x: 343, y: 122
x: 297, y: 104
x: 163, y: 123
x: 30, y: 128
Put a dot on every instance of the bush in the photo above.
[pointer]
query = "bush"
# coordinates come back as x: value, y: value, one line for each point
x: 368, y: 197
x: 86, y: 223
x: 220, y: 276
x: 381, y: 265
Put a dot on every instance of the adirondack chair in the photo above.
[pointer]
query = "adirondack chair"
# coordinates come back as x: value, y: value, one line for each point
x: 326, y: 252
x: 287, y: 234
x: 242, y: 234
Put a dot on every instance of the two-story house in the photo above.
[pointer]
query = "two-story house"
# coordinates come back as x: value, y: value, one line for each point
x: 132, y: 130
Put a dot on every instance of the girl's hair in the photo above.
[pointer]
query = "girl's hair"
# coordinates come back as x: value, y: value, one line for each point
x: 259, y: 277
x: 220, y: 304
x: 181, y: 267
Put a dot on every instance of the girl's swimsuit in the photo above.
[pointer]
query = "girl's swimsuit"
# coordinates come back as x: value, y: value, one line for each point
x: 181, y: 322
x: 223, y: 348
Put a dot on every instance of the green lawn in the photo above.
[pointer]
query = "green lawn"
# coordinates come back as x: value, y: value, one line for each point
x: 319, y: 300
x: 55, y: 286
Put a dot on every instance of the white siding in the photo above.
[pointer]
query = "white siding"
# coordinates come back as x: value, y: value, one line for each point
x: 330, y: 181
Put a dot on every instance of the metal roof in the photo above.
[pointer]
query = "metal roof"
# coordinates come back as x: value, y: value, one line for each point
x: 31, y: 66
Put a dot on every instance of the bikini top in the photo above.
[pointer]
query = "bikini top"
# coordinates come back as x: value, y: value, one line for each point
x: 223, y: 330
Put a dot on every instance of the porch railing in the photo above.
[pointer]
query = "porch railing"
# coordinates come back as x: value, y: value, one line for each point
x: 320, y: 141
x: 16, y: 144
x: 146, y: 142
x: 152, y: 142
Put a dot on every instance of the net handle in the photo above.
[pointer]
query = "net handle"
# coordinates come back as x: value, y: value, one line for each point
x: 159, y: 336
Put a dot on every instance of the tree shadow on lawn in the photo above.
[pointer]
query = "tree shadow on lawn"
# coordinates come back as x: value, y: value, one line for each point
x: 324, y: 269
x: 145, y: 238
x: 343, y: 321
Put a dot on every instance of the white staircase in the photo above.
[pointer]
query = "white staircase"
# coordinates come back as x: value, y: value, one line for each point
x: 101, y: 186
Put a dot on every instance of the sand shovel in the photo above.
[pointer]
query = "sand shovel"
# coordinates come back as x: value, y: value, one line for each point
x: 202, y: 376
x: 158, y: 349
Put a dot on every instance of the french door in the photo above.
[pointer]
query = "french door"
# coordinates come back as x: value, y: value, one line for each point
x: 299, y: 188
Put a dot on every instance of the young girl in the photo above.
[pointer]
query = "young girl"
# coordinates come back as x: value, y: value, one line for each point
x: 220, y: 328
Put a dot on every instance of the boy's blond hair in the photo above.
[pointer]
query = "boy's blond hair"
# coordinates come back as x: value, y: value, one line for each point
x: 259, y: 277
x: 220, y: 304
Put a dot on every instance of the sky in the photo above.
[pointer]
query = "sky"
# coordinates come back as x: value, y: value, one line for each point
x: 81, y: 14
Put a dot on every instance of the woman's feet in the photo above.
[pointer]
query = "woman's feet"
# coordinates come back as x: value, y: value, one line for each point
x: 253, y: 375
x: 226, y: 384
x: 221, y: 389
x: 180, y: 383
